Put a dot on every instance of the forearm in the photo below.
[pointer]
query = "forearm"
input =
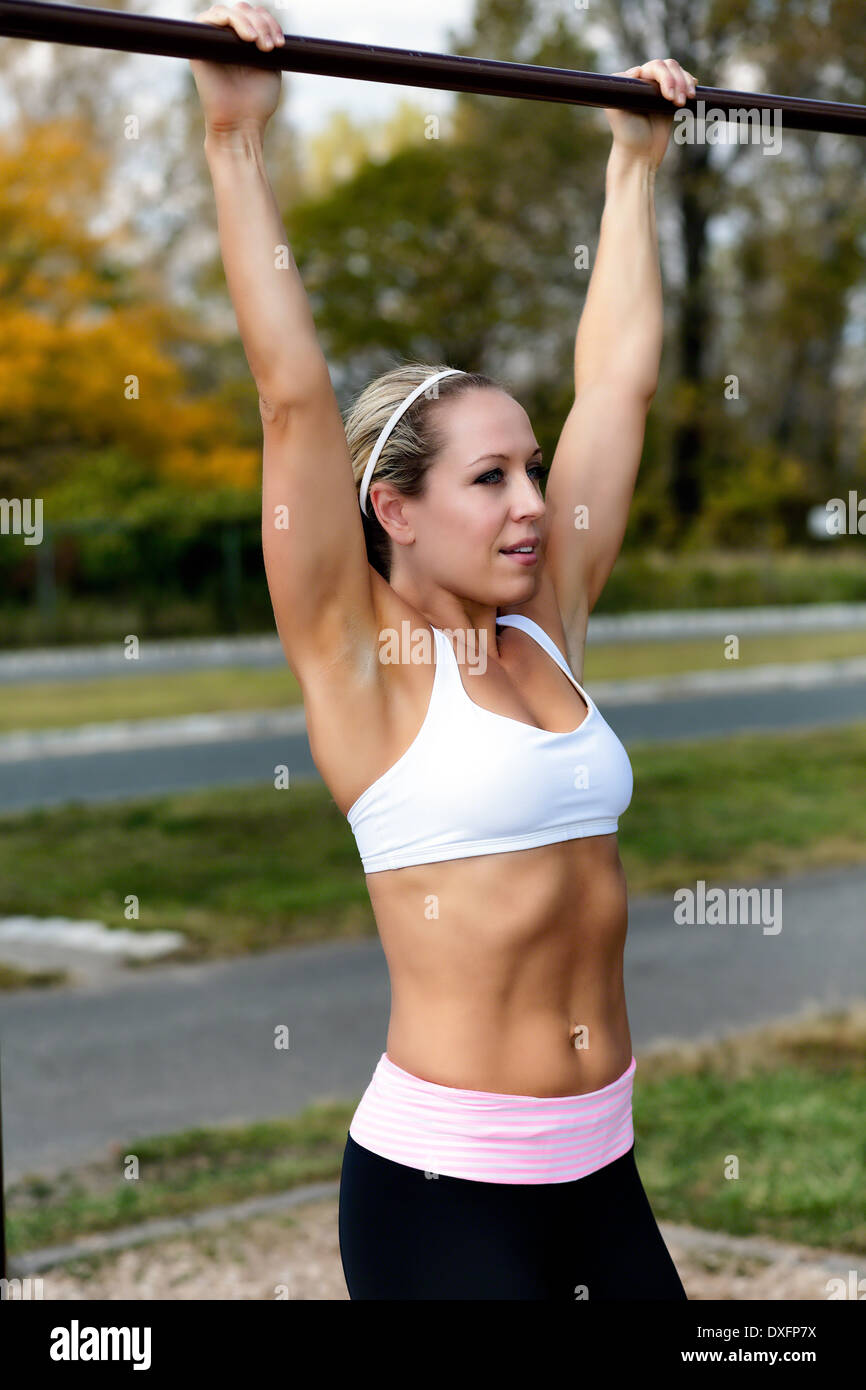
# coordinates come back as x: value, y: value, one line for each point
x: 621, y: 327
x: 273, y: 312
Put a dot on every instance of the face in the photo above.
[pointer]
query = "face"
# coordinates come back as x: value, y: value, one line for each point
x: 475, y: 505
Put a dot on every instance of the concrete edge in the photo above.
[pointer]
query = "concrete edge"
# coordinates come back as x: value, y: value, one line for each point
x: 636, y: 625
x: 693, y: 1238
x: 31, y: 1262
x: 123, y: 735
x: 133, y: 734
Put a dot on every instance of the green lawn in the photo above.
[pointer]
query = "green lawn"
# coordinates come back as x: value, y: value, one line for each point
x: 63, y: 704
x: 249, y: 868
x: 786, y: 1102
x: 245, y: 869
x: 66, y: 704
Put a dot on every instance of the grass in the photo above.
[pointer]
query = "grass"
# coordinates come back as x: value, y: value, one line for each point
x: 786, y: 1101
x: 178, y: 1174
x: 630, y: 660
x: 746, y: 807
x: 64, y: 704
x: 251, y: 868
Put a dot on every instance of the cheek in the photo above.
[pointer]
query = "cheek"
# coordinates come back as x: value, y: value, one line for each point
x: 482, y: 515
x: 467, y: 532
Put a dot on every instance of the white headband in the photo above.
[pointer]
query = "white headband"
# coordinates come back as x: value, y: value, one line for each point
x: 380, y: 442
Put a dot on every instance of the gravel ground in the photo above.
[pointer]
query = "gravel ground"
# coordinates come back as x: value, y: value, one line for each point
x: 297, y: 1256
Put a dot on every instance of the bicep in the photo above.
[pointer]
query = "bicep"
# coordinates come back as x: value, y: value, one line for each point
x: 319, y: 578
x: 590, y: 488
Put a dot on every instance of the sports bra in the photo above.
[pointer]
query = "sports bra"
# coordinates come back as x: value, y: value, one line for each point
x: 474, y: 782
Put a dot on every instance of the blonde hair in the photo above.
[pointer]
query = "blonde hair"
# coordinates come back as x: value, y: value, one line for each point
x: 413, y: 444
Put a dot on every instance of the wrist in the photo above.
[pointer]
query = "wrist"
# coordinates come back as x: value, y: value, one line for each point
x: 239, y: 138
x: 627, y: 163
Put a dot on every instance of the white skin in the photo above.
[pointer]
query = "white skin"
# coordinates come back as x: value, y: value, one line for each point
x: 446, y: 545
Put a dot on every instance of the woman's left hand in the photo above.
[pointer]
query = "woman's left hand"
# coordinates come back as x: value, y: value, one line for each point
x: 647, y: 136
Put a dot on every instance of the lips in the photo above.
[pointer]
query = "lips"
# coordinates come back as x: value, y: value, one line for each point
x: 523, y: 557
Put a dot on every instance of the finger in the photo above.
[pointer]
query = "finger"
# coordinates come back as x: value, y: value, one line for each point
x: 254, y: 24
x: 675, y: 87
x: 242, y: 20
x: 273, y: 24
x: 221, y: 14
x: 641, y: 73
x: 684, y: 80
x: 267, y: 26
x: 657, y: 69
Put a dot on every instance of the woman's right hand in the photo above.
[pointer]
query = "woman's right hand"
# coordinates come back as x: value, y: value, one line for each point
x: 231, y: 95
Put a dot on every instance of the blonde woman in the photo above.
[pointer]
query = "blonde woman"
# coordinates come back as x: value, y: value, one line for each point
x: 431, y: 600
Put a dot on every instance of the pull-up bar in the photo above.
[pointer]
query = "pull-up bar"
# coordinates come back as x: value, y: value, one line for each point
x: 178, y: 38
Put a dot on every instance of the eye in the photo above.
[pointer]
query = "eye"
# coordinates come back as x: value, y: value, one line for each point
x: 541, y: 471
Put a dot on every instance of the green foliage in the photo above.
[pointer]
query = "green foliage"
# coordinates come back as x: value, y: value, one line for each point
x: 455, y: 239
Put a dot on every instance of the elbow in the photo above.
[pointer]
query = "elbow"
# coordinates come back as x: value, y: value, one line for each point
x: 272, y: 408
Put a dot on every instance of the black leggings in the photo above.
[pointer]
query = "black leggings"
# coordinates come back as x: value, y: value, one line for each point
x: 403, y: 1235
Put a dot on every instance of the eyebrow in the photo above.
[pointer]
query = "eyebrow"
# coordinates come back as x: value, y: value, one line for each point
x: 503, y: 457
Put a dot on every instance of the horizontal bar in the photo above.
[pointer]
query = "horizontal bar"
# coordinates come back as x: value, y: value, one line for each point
x: 178, y: 38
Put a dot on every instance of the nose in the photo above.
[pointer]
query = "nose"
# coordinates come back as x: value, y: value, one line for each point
x: 527, y: 500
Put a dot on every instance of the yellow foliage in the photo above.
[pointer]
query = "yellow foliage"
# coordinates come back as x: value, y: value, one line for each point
x: 221, y: 466
x: 85, y: 356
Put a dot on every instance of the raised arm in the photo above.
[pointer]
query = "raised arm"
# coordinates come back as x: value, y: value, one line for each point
x: 616, y: 363
x: 315, y: 557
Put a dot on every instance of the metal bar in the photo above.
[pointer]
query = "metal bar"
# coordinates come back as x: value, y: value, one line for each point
x: 176, y: 38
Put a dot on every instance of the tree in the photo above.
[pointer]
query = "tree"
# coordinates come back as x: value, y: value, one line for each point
x: 88, y: 345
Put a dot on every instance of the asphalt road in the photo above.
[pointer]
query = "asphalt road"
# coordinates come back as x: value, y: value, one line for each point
x: 175, y: 1046
x: 168, y: 1047
x: 116, y: 774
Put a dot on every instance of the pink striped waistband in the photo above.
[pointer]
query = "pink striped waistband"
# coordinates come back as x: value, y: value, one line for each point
x: 491, y: 1137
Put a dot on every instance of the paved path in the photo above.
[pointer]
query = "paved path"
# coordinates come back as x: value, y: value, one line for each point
x: 168, y: 1047
x: 197, y: 653
x: 124, y: 759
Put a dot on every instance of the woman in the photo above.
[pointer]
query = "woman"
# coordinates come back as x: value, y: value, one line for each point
x: 492, y: 1154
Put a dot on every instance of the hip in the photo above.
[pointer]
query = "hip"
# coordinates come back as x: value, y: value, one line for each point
x: 593, y: 1238
x: 489, y: 1136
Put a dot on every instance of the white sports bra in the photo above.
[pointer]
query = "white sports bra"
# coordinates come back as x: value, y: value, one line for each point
x: 474, y: 782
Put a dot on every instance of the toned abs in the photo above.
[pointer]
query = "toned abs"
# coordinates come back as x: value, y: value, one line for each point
x: 495, y: 960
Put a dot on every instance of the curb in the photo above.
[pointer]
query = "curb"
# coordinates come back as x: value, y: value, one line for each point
x: 691, y: 1238
x: 31, y: 1262
x: 165, y: 654
x: 773, y: 676
x: 264, y: 649
x: 133, y: 734
x: 698, y: 1241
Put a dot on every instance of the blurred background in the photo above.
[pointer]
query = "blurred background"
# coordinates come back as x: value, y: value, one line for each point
x: 168, y: 904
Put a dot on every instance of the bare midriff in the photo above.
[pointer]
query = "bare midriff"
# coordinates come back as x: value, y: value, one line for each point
x: 499, y: 963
